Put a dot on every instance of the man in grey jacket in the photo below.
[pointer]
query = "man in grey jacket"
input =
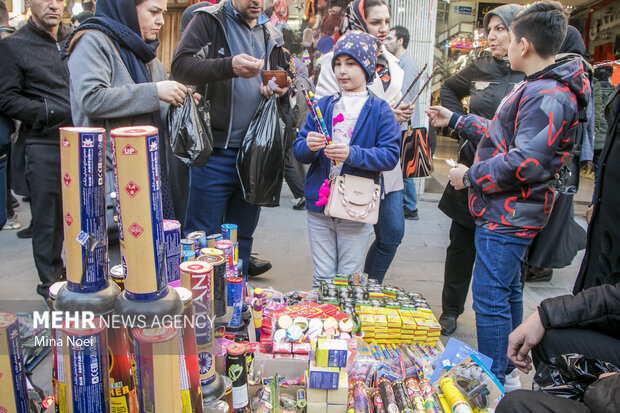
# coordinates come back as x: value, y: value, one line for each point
x: 34, y: 88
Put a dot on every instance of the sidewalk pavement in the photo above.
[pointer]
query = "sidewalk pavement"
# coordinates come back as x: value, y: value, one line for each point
x: 282, y: 238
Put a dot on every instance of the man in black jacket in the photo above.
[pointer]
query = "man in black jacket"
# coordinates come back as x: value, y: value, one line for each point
x: 222, y: 52
x: 587, y: 323
x: 34, y: 88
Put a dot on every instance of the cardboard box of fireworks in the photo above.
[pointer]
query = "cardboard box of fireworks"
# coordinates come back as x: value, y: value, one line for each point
x: 325, y: 375
x: 313, y: 341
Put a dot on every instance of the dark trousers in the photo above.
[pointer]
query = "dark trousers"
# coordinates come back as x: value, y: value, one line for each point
x: 293, y: 174
x: 216, y: 197
x: 591, y: 344
x: 555, y: 342
x: 460, y: 257
x: 43, y: 179
x: 527, y: 401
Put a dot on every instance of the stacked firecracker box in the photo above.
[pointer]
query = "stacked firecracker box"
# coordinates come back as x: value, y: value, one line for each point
x: 328, y: 382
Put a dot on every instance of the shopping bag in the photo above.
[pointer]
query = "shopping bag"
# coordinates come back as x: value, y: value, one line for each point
x: 415, y: 153
x: 569, y: 375
x: 260, y: 161
x: 189, y: 129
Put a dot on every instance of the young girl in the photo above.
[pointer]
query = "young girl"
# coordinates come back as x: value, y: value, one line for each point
x: 365, y: 141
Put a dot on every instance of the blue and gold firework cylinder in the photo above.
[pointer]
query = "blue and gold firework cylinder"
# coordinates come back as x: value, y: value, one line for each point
x: 13, y: 393
x: 82, y: 156
x: 138, y: 187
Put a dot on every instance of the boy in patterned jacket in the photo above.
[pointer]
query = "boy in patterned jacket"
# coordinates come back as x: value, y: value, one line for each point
x: 519, y: 157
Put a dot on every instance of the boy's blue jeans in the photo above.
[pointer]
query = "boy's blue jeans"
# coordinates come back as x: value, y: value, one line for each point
x: 498, y: 299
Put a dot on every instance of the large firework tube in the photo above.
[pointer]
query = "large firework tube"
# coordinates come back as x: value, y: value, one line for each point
x: 411, y: 85
x: 58, y: 369
x: 192, y: 397
x: 82, y: 157
x: 197, y: 276
x: 85, y: 352
x: 13, y: 393
x: 158, y: 369
x: 123, y: 397
x: 138, y: 187
x: 361, y: 398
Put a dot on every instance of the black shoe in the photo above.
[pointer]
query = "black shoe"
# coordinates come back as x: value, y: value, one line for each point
x: 25, y: 233
x: 301, y: 205
x: 538, y: 275
x: 256, y: 266
x: 448, y: 324
x: 413, y: 215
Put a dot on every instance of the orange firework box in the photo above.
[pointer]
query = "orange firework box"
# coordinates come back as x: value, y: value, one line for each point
x: 138, y: 185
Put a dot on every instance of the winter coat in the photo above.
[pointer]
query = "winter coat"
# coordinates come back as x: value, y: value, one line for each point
x: 203, y: 58
x: 487, y: 81
x: 327, y: 85
x: 374, y: 146
x: 602, y: 95
x: 600, y: 263
x: 34, y: 83
x: 104, y: 95
x: 523, y: 147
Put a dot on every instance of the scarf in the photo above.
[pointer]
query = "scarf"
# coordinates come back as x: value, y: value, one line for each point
x: 118, y: 20
x: 355, y: 19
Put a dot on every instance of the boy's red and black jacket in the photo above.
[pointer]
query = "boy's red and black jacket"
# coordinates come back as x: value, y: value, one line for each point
x: 521, y: 150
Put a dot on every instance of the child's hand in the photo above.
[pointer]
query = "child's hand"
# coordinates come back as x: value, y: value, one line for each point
x: 403, y: 112
x: 439, y: 116
x: 338, y: 152
x: 315, y: 141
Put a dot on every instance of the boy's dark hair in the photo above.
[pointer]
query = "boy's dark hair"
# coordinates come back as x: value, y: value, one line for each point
x: 603, y: 73
x: 402, y: 33
x: 4, y: 14
x: 544, y: 24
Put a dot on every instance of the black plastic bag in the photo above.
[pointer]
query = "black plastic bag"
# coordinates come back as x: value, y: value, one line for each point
x: 570, y: 375
x: 260, y: 162
x: 189, y: 129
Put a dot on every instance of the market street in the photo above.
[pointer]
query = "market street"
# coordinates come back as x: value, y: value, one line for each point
x: 282, y: 238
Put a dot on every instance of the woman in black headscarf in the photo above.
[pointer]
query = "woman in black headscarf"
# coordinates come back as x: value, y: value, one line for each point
x: 116, y: 80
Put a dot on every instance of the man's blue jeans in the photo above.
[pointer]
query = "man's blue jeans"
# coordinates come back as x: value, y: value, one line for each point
x: 498, y: 299
x: 216, y: 197
x: 410, y: 195
x: 389, y: 232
